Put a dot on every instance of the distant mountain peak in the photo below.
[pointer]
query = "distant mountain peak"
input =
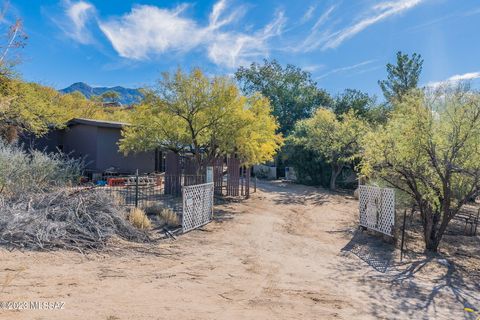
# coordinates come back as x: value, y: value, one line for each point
x: 127, y: 96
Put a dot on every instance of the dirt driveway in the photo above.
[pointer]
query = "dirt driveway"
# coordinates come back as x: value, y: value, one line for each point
x: 290, y: 252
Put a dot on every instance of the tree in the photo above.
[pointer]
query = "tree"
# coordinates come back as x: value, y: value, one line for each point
x: 430, y: 150
x: 310, y: 167
x: 291, y: 91
x: 15, y: 38
x: 110, y: 96
x: 206, y: 117
x: 402, y: 77
x: 28, y: 107
x: 336, y: 141
x: 353, y: 100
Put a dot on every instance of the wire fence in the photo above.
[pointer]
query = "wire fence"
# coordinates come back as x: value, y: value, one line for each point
x: 154, y: 193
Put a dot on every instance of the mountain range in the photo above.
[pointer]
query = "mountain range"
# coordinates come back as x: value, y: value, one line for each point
x: 126, y: 96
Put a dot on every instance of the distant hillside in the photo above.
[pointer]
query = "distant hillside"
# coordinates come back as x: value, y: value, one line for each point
x: 127, y: 96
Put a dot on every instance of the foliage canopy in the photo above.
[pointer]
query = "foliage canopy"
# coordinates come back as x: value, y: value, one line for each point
x: 291, y: 91
x: 335, y: 140
x: 203, y: 116
x: 401, y: 77
x: 430, y: 149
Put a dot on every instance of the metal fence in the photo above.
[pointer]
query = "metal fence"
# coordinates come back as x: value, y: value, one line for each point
x: 188, y: 195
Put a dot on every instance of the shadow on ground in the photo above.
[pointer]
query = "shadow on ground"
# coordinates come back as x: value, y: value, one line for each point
x: 373, y: 251
x: 414, y: 288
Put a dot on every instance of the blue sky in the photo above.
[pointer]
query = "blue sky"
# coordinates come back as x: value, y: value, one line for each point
x: 344, y: 44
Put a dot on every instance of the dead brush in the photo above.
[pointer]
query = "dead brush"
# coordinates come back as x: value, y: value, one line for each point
x: 152, y: 208
x: 118, y: 199
x: 139, y: 219
x: 169, y: 217
x: 64, y: 218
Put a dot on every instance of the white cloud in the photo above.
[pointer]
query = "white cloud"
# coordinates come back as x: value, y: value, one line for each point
x: 322, y: 37
x: 347, y: 68
x: 381, y: 12
x: 232, y: 49
x: 316, y: 36
x: 78, y: 14
x: 216, y: 15
x: 148, y: 30
x: 455, y: 79
x: 308, y: 14
x: 313, y: 67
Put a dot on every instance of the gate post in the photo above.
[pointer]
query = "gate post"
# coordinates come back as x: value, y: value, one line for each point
x: 136, y: 189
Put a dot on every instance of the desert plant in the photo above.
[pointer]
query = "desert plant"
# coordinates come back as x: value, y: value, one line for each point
x: 170, y: 217
x: 24, y: 172
x: 430, y: 150
x: 139, y: 219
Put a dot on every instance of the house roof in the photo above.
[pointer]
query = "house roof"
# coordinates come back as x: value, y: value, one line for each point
x: 97, y: 123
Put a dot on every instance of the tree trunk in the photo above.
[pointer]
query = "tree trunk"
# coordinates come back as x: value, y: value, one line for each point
x: 432, y: 233
x: 333, y: 178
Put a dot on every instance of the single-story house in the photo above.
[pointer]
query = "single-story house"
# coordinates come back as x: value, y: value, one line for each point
x: 96, y: 141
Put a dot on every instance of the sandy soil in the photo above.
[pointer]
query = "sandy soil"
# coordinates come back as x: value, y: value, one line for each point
x: 290, y: 252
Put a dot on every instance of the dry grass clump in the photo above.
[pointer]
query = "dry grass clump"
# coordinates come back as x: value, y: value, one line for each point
x: 139, y: 219
x: 118, y: 199
x: 170, y: 217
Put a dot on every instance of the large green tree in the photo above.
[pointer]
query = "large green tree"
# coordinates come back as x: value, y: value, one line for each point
x: 402, y: 77
x: 335, y: 141
x: 204, y: 116
x: 430, y: 149
x: 310, y: 167
x: 291, y: 91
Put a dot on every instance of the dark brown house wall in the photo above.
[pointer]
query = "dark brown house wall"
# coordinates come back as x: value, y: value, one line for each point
x: 108, y: 154
x: 97, y: 143
x: 80, y: 141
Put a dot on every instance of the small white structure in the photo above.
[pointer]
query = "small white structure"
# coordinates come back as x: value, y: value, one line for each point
x: 197, y: 205
x: 263, y: 171
x: 290, y: 174
x: 377, y: 209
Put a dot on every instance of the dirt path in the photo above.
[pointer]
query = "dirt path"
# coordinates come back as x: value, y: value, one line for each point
x: 284, y: 254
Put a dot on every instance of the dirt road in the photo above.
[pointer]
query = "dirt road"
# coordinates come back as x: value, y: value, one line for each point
x: 287, y: 253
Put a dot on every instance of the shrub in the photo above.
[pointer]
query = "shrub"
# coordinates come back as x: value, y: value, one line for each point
x: 170, y: 217
x: 139, y: 219
x: 24, y: 172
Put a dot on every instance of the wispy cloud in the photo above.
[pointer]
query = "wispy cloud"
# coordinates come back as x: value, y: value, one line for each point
x: 148, y: 30
x: 308, y: 14
x: 313, y: 67
x: 316, y: 36
x: 77, y: 15
x: 234, y: 49
x: 347, y: 68
x: 328, y: 39
x: 380, y: 12
x: 455, y: 79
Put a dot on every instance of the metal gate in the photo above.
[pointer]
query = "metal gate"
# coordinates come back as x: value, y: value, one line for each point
x: 377, y: 209
x: 197, y: 205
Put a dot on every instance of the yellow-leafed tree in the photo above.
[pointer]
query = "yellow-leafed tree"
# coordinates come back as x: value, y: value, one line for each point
x: 205, y: 116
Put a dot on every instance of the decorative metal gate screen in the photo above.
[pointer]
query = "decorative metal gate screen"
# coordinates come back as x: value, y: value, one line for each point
x: 377, y: 209
x: 197, y: 205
